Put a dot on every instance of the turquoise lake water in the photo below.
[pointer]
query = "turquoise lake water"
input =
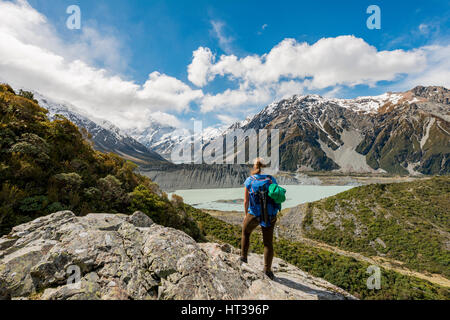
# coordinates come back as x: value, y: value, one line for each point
x: 231, y: 199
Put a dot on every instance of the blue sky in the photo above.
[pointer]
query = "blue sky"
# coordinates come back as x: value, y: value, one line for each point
x: 132, y: 39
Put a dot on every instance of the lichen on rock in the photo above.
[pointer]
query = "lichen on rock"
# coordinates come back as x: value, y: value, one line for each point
x: 130, y: 257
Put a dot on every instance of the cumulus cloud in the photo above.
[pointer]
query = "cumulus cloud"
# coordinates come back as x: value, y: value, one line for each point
x: 330, y: 63
x: 286, y: 89
x: 227, y: 119
x: 198, y: 70
x: 344, y: 60
x: 32, y: 55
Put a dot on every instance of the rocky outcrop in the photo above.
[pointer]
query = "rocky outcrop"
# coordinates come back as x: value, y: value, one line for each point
x: 433, y: 93
x: 129, y: 257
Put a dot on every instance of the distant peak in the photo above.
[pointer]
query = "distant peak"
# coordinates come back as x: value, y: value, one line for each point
x: 432, y: 93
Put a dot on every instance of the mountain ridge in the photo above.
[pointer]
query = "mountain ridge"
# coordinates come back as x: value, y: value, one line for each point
x: 105, y: 136
x: 397, y: 133
x: 313, y: 130
x: 403, y: 133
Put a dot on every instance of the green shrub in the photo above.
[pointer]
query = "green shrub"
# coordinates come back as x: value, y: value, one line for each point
x: 411, y: 218
x: 48, y: 166
x: 32, y: 204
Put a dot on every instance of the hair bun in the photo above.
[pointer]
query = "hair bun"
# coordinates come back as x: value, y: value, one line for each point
x: 258, y: 163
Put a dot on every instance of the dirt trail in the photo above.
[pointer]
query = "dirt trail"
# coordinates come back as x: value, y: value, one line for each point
x: 383, y: 262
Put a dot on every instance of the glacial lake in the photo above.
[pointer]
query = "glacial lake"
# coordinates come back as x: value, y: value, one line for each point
x: 232, y: 199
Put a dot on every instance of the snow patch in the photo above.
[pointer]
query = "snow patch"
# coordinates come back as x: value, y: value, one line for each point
x: 427, y: 133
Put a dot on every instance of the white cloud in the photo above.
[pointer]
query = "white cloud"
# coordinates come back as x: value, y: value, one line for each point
x: 224, y: 41
x: 96, y: 47
x: 292, y: 67
x: 227, y: 119
x: 33, y: 56
x: 198, y: 70
x: 286, y: 89
x: 437, y: 72
x: 244, y: 99
x: 232, y: 99
x: 27, y: 25
x: 166, y: 119
x: 344, y: 60
x: 332, y: 93
x: 263, y: 27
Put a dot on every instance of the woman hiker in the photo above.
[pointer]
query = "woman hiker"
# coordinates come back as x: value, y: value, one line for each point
x: 254, y: 214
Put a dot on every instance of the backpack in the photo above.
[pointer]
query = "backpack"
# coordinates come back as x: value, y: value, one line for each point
x: 262, y: 205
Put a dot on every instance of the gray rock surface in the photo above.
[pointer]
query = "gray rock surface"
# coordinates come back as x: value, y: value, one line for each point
x: 130, y: 257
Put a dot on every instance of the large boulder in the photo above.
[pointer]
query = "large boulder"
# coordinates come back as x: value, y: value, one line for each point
x: 114, y: 256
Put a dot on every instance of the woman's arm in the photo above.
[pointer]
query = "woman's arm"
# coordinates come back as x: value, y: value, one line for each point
x: 246, y: 196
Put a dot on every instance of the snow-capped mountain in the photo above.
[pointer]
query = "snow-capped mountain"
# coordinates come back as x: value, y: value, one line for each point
x: 105, y: 135
x: 406, y: 133
x: 159, y: 138
x: 162, y: 139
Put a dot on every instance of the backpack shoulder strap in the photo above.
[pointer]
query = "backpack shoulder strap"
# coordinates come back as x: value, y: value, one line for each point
x: 252, y: 178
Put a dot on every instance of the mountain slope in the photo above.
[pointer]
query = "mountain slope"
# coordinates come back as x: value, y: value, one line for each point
x: 405, y: 223
x: 105, y: 136
x: 397, y: 133
x: 163, y: 138
x: 346, y: 271
x: 159, y: 138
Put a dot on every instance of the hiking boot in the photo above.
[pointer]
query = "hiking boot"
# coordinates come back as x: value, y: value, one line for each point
x: 244, y: 260
x: 269, y: 274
